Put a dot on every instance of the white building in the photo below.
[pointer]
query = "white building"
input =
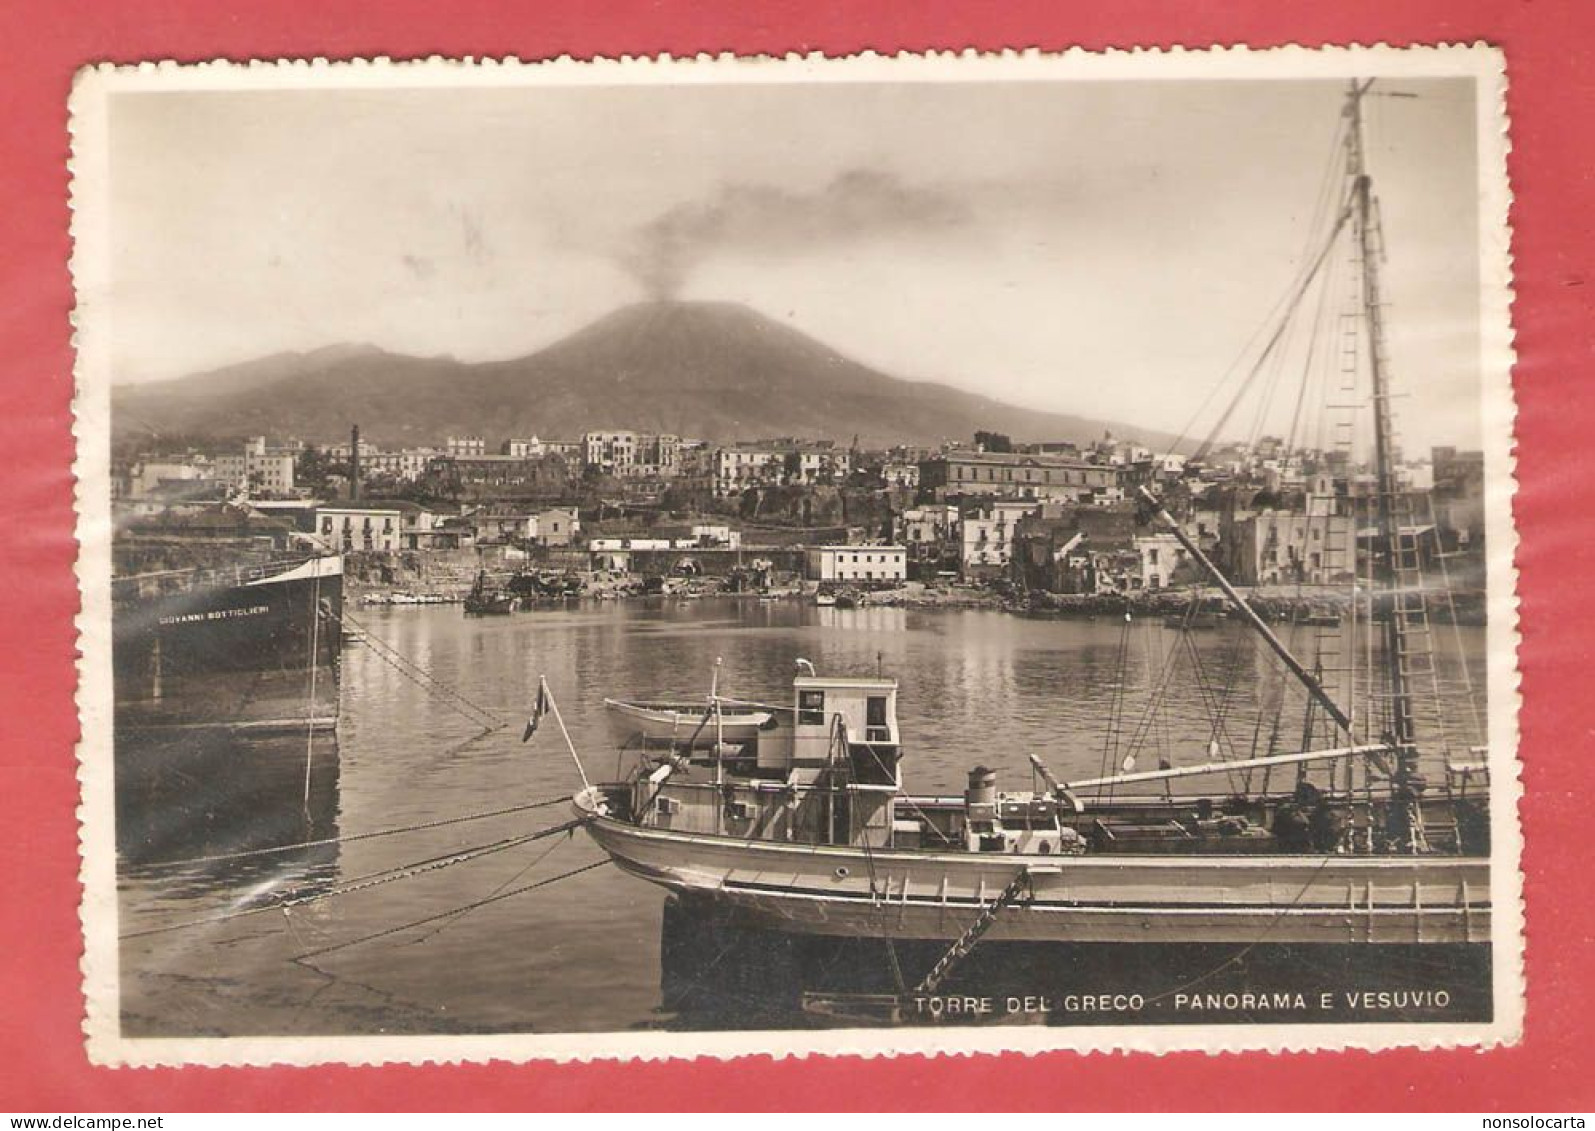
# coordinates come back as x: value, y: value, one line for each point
x: 897, y: 473
x: 353, y: 526
x: 987, y: 533
x: 779, y: 462
x: 633, y: 455
x: 460, y: 446
x: 256, y: 468
x: 531, y: 448
x: 1161, y: 555
x: 857, y: 563
x: 935, y: 523
x: 613, y: 453
x: 717, y: 535
x: 556, y: 526
x: 150, y: 474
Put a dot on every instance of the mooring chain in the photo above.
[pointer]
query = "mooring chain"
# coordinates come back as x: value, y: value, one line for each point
x: 416, y: 674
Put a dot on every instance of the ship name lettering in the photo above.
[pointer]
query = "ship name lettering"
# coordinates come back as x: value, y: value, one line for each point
x: 216, y: 614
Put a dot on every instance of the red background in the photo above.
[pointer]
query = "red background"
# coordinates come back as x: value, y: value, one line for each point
x: 1548, y: 47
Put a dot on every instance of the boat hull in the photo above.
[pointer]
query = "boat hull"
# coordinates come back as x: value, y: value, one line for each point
x: 720, y: 972
x: 843, y: 891
x: 258, y: 651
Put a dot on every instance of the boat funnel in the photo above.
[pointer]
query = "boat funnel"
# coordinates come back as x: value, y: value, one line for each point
x: 982, y: 787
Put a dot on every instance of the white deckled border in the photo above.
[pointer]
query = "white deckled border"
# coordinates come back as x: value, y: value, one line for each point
x: 91, y: 94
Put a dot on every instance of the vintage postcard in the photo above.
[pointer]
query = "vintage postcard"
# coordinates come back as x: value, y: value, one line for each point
x: 660, y: 558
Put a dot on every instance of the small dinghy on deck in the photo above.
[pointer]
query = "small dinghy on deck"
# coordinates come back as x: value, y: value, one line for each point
x: 693, y: 725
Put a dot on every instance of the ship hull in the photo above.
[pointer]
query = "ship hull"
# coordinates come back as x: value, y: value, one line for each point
x: 719, y: 972
x: 846, y: 892
x: 260, y: 652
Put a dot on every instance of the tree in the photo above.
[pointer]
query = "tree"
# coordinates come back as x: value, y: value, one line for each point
x: 313, y: 467
x: 993, y: 442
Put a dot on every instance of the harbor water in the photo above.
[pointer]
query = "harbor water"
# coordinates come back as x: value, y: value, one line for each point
x: 450, y: 949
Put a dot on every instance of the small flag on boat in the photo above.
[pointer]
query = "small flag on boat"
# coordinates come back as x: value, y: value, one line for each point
x: 537, y: 712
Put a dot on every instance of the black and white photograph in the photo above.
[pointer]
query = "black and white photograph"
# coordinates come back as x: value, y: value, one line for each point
x: 665, y: 558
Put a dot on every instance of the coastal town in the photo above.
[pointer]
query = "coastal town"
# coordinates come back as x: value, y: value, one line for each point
x: 1035, y: 526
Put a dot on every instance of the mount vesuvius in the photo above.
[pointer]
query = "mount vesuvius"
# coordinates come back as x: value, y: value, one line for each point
x: 713, y: 371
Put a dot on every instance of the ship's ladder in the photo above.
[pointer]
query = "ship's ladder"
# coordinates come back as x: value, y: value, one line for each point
x: 1020, y: 890
x: 1332, y: 516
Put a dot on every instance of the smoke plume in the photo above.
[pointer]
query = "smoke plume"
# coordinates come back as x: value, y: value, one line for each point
x: 759, y: 218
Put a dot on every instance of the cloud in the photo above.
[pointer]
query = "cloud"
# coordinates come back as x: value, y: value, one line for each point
x: 858, y: 204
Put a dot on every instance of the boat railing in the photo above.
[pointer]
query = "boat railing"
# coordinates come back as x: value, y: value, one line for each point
x: 773, y: 809
x: 165, y: 581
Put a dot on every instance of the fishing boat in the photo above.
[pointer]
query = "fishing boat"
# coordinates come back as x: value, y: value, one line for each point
x: 680, y: 723
x: 485, y: 600
x: 1365, y: 833
x: 825, y: 600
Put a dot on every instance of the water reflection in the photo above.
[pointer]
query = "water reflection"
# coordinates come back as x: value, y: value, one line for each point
x: 591, y: 953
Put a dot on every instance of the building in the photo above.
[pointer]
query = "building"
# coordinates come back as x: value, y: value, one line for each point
x: 531, y: 448
x: 556, y: 526
x: 462, y: 446
x: 986, y: 535
x: 258, y: 468
x: 632, y: 455
x: 899, y: 473
x: 361, y: 526
x: 718, y: 536
x: 403, y: 466
x: 611, y: 453
x: 1163, y: 561
x: 501, y: 525
x: 930, y: 533
x: 1289, y: 547
x: 1075, y: 549
x: 381, y: 525
x: 149, y: 475
x: 1458, y: 496
x: 782, y: 462
x: 1015, y: 475
x: 483, y: 474
x: 857, y: 563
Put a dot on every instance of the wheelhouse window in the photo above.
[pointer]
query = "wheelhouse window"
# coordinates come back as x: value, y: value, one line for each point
x: 811, y: 708
x: 875, y: 728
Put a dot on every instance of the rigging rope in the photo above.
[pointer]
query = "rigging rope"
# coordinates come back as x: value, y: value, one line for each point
x: 839, y: 735
x: 161, y: 865
x: 472, y: 906
x: 463, y: 912
x: 1292, y: 306
x: 1110, y: 742
x: 363, y: 883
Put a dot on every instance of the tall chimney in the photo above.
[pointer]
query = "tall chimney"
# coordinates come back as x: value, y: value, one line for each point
x: 354, y: 462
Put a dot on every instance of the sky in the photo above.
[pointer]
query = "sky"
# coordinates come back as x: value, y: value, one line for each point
x: 1105, y: 248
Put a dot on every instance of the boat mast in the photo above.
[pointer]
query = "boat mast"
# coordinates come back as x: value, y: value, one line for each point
x: 1386, y: 599
x: 1276, y: 645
